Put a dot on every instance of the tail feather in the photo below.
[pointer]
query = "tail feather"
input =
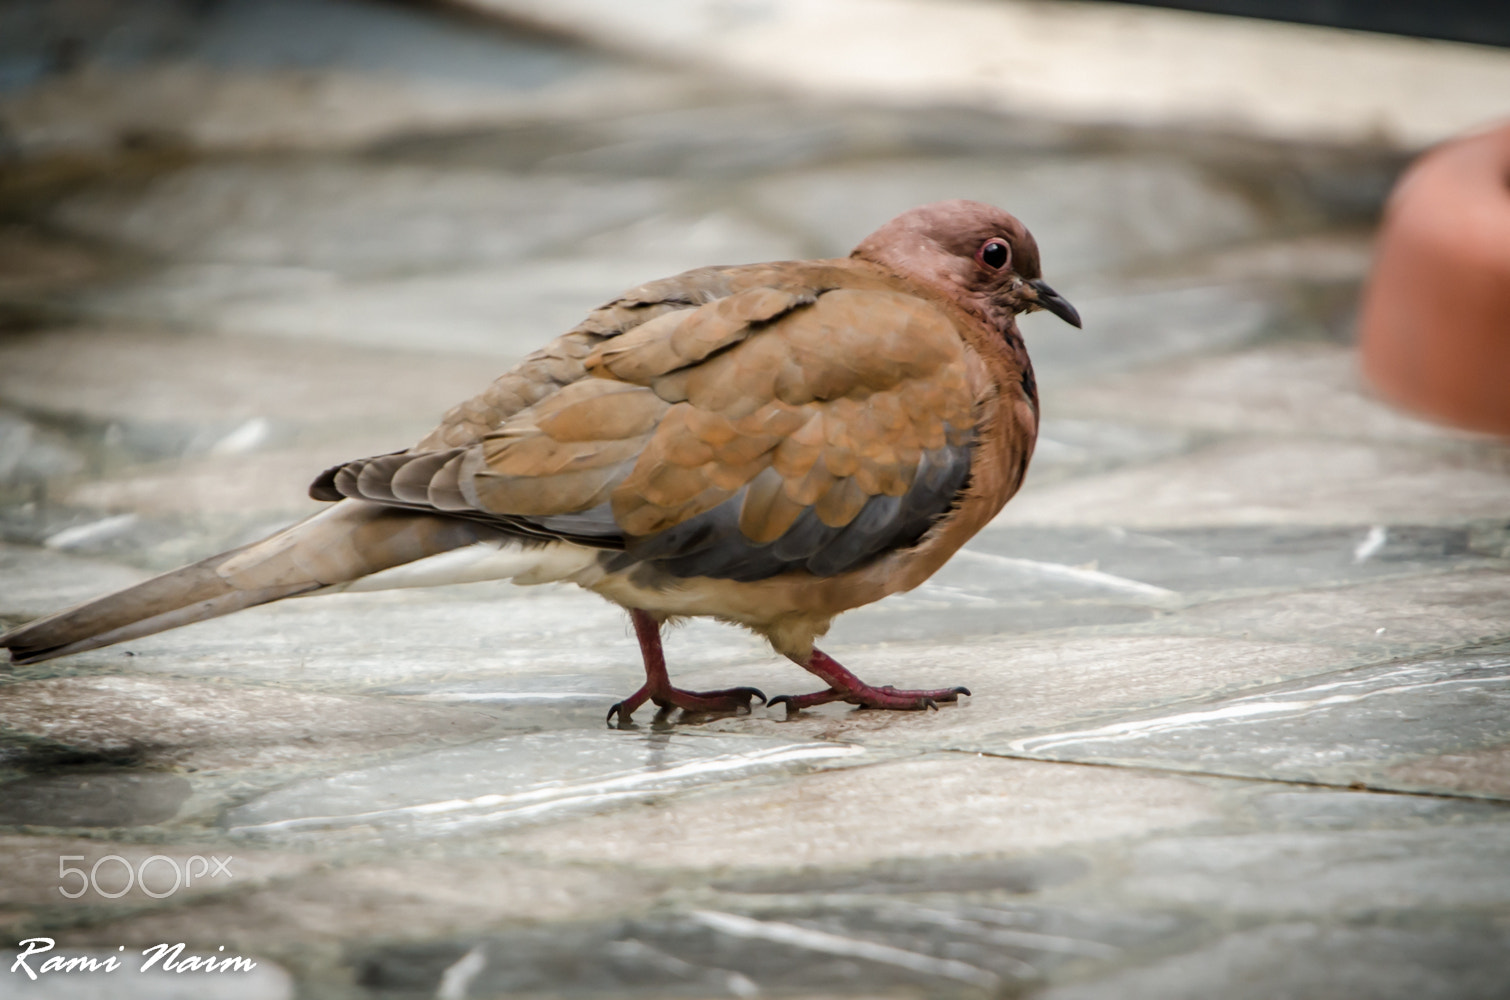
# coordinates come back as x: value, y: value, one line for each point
x: 341, y: 544
x: 185, y: 595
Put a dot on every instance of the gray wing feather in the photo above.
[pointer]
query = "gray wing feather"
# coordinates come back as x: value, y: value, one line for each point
x: 712, y: 545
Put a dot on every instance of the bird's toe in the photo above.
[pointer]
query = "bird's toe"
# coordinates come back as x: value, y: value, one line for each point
x: 749, y: 693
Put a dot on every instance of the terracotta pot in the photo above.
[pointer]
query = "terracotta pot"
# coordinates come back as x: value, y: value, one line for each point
x: 1434, y: 330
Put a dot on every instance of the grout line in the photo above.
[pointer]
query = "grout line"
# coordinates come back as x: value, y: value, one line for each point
x: 1359, y: 786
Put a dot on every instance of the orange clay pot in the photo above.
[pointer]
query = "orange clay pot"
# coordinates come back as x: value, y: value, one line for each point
x: 1434, y: 330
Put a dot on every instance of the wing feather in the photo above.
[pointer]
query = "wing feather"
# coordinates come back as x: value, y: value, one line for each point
x: 735, y: 422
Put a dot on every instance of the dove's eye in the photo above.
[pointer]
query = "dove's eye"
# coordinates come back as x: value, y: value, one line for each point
x: 994, y: 254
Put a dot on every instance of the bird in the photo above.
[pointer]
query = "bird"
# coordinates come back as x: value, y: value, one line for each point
x: 768, y: 445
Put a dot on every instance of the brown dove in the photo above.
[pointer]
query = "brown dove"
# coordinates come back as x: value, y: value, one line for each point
x: 768, y: 445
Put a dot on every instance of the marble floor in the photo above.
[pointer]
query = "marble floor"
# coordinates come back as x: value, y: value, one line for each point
x: 1240, y: 650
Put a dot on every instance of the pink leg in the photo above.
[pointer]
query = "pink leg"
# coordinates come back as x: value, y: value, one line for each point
x: 657, y: 687
x: 845, y: 686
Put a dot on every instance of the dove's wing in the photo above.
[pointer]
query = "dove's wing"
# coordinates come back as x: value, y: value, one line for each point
x: 751, y: 422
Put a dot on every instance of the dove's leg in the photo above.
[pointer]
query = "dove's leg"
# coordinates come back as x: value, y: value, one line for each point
x: 845, y: 686
x: 657, y: 687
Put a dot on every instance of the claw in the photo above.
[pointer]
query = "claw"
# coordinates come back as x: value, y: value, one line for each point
x: 751, y: 693
x: 963, y: 690
x: 797, y: 702
x: 930, y: 704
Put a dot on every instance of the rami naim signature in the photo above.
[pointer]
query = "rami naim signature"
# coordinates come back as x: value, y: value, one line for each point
x: 167, y: 957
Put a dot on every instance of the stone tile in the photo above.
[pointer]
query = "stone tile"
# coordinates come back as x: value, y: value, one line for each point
x: 1278, y: 807
x: 191, y: 445
x: 323, y: 909
x: 1331, y: 874
x: 690, y: 235
x: 931, y: 876
x: 1471, y: 772
x: 293, y: 75
x: 246, y: 488
x: 1198, y: 563
x: 353, y: 218
x: 498, y: 310
x: 826, y: 948
x: 1306, y: 389
x: 1071, y: 446
x: 203, y: 388
x: 501, y: 312
x: 981, y: 593
x: 1328, y: 257
x: 520, y: 639
x: 1133, y: 326
x: 1087, y: 213
x: 34, y: 263
x: 956, y: 805
x: 1012, y: 579
x: 398, y: 42
x: 201, y: 726
x: 724, y: 133
x: 512, y: 780
x: 1021, y: 685
x: 35, y: 582
x: 93, y: 799
x: 1255, y: 79
x: 1385, y: 618
x: 160, y: 535
x: 183, y: 105
x: 953, y: 925
x: 1281, y: 481
x: 31, y: 454
x: 1363, y: 873
x: 1461, y: 959
x: 470, y: 891
x: 1394, y: 726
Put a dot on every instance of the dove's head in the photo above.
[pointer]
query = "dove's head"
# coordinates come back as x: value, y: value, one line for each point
x: 974, y: 253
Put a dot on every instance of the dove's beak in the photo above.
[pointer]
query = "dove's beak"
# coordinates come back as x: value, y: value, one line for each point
x: 1047, y: 298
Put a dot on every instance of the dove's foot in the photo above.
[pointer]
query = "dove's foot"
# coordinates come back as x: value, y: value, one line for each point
x: 657, y: 686
x: 727, y: 700
x: 871, y: 697
x: 845, y: 686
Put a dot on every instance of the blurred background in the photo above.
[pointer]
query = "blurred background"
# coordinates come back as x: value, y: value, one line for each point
x: 243, y: 240
x: 222, y: 221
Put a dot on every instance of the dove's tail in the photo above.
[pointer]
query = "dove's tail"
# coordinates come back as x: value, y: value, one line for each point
x: 339, y: 545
